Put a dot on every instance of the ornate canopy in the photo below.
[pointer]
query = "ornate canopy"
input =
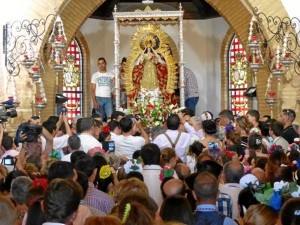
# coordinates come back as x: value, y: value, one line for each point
x: 148, y: 18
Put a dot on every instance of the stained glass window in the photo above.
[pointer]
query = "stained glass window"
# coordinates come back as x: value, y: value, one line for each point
x: 237, y: 78
x: 72, y: 82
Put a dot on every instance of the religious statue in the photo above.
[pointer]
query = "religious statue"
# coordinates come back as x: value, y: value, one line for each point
x: 149, y: 62
x: 150, y: 67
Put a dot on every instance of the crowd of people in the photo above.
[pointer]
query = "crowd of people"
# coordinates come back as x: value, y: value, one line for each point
x: 191, y: 170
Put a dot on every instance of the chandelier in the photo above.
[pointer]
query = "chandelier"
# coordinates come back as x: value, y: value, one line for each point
x: 20, y: 41
x: 283, y: 34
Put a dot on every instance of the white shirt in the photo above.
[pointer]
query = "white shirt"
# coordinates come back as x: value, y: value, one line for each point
x: 152, y: 181
x: 66, y: 158
x: 127, y: 145
x: 181, y: 146
x: 191, y: 130
x: 103, y: 83
x: 58, y: 143
x: 88, y: 142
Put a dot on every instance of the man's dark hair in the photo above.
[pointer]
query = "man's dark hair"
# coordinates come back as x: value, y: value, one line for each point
x: 210, y: 166
x: 150, y: 154
x: 173, y: 122
x: 75, y: 156
x: 206, y: 186
x: 53, y: 119
x: 290, y: 113
x: 254, y: 113
x: 116, y: 114
x: 209, y: 126
x: 86, y: 165
x: 84, y: 124
x: 124, y: 59
x: 113, y: 124
x: 233, y: 171
x: 60, y: 169
x: 35, y: 118
x: 264, y: 128
x: 61, y: 200
x: 7, y: 142
x: 83, y: 181
x: 277, y: 128
x: 227, y: 113
x: 126, y: 124
x: 267, y: 116
x: 136, y: 154
x: 187, y: 112
x: 74, y: 142
x: 49, y: 125
x: 101, y: 58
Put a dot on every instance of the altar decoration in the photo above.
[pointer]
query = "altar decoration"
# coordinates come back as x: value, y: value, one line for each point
x: 158, y: 50
x: 151, y: 109
x: 151, y: 57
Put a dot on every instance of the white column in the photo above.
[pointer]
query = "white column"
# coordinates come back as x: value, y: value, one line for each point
x: 117, y: 62
x: 181, y: 62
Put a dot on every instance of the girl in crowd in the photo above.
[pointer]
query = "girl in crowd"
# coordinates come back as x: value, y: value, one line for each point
x: 168, y: 161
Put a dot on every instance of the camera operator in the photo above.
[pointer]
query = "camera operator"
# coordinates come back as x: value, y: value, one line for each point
x: 59, y: 142
x: 34, y: 120
x: 35, y: 148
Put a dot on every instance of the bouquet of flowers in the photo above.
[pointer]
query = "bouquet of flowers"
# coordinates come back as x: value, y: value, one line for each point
x: 153, y: 112
x: 273, y: 197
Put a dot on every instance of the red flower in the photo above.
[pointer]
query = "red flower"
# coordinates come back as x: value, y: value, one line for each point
x: 106, y: 129
x: 150, y: 106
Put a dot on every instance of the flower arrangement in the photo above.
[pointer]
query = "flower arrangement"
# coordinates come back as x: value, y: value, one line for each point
x: 249, y: 180
x: 133, y: 165
x: 226, y: 156
x: 273, y: 197
x: 152, y: 111
x: 275, y: 148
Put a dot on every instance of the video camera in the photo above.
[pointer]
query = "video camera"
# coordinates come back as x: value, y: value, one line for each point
x: 32, y: 132
x: 7, y: 109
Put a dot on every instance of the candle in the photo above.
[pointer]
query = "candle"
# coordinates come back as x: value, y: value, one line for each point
x: 271, y: 94
x: 39, y: 99
x: 58, y: 38
x: 35, y: 69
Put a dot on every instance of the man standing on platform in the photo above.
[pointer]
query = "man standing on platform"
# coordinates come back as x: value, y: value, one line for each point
x: 102, y: 90
x: 190, y: 89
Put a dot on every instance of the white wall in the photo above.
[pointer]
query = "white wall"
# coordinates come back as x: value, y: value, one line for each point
x: 202, y: 47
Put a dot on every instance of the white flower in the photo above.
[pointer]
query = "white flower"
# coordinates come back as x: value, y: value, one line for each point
x: 296, y: 194
x: 247, y: 180
x: 279, y: 185
x: 132, y: 165
x: 254, y: 130
x: 296, y: 139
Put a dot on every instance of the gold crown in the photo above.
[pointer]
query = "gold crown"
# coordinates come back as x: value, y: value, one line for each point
x: 148, y: 38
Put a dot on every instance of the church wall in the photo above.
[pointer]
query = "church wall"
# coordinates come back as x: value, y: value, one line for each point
x: 202, y: 46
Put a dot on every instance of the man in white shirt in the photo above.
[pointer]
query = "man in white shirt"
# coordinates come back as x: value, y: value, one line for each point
x: 114, y: 127
x: 86, y: 128
x: 180, y: 141
x: 150, y: 154
x: 126, y: 144
x: 101, y: 90
x: 73, y: 145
